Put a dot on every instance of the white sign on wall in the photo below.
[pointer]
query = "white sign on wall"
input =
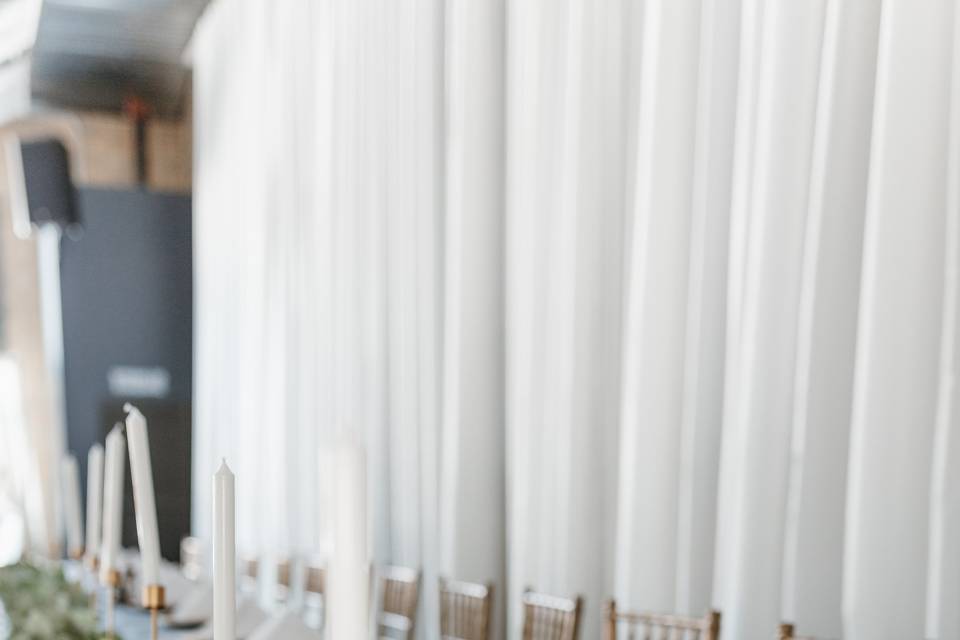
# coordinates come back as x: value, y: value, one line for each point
x: 138, y: 382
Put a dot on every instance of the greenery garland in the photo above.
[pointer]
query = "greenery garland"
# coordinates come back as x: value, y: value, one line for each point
x: 40, y: 604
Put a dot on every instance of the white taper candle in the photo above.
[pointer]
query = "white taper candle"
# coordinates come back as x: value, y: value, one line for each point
x: 112, y: 503
x: 349, y: 567
x: 70, y: 483
x: 144, y: 500
x: 224, y: 555
x: 94, y: 499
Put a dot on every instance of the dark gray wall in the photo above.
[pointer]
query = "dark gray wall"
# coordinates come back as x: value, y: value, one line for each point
x: 128, y: 301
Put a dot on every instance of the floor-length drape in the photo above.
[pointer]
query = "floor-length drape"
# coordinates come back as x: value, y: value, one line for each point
x: 564, y: 217
x: 673, y: 336
x: 649, y: 300
x: 900, y: 332
x: 780, y: 53
x: 320, y: 293
x: 472, y: 515
x: 826, y: 339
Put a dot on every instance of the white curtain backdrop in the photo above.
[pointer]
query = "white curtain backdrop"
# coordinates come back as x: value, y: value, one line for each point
x: 318, y: 285
x: 650, y: 300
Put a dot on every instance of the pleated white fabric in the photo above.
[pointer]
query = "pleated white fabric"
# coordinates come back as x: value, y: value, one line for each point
x: 318, y: 281
x: 564, y: 213
x: 900, y: 327
x: 673, y: 336
x: 472, y: 514
x: 653, y: 300
x: 826, y: 341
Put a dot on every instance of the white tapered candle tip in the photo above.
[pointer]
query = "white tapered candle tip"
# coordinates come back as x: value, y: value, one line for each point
x: 224, y: 467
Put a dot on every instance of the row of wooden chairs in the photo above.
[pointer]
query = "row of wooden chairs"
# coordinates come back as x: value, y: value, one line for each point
x: 466, y: 613
x: 635, y: 625
x: 466, y: 608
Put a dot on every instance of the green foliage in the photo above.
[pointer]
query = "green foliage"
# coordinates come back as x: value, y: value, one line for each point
x: 40, y: 604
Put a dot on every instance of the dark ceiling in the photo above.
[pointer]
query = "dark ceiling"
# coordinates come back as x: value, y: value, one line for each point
x: 92, y: 54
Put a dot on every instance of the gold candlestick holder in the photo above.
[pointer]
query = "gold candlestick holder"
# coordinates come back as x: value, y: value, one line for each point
x: 153, y: 599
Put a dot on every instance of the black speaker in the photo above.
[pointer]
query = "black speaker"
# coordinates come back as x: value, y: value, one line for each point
x: 47, y: 193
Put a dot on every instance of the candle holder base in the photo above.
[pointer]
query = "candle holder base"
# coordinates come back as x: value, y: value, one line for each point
x: 154, y: 598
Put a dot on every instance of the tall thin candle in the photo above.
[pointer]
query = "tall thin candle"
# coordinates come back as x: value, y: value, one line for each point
x: 349, y: 566
x: 112, y: 503
x: 144, y: 500
x: 71, y: 505
x: 224, y: 555
x: 94, y: 499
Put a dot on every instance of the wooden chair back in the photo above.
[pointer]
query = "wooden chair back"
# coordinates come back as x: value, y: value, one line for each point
x: 400, y: 589
x: 465, y: 610
x: 249, y: 574
x: 315, y: 593
x: 547, y: 617
x: 652, y: 625
x: 284, y: 584
x: 787, y: 632
x: 316, y: 579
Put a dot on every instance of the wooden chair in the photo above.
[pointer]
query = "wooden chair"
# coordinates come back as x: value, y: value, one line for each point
x: 787, y: 633
x: 400, y: 589
x: 250, y: 568
x: 465, y: 609
x: 548, y: 617
x: 249, y: 575
x: 283, y: 587
x: 314, y: 593
x: 316, y: 579
x: 654, y: 625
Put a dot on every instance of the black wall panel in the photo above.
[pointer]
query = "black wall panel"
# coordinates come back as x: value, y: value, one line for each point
x: 127, y: 299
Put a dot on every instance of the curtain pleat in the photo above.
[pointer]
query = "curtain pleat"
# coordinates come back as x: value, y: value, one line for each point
x: 899, y: 331
x: 828, y: 315
x: 943, y: 579
x: 760, y: 385
x: 472, y: 517
x: 655, y: 322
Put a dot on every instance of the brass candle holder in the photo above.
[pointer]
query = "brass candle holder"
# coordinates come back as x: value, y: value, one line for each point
x: 153, y: 599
